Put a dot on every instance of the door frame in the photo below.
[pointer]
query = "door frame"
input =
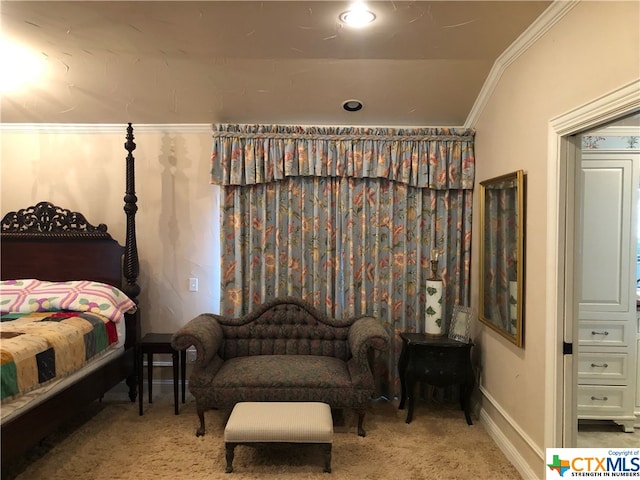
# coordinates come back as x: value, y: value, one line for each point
x: 560, y: 370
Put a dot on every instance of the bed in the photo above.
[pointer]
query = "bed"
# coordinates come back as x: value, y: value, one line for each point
x: 55, y: 254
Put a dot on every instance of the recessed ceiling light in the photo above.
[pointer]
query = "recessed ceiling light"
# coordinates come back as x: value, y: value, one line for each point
x: 352, y: 105
x: 357, y: 16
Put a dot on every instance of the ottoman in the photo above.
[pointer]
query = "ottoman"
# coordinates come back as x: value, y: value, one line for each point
x: 279, y: 422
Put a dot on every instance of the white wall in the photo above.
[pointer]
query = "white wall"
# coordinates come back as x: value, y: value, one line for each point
x: 82, y: 168
x: 594, y: 49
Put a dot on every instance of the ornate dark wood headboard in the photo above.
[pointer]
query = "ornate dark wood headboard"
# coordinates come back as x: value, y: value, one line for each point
x: 48, y: 242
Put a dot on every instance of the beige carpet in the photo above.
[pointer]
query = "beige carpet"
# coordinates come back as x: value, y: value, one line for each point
x: 111, y: 441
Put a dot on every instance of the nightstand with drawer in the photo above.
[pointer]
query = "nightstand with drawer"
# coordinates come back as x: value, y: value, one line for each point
x: 438, y: 361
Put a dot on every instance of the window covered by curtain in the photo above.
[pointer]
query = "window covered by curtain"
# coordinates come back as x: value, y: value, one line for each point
x: 345, y: 218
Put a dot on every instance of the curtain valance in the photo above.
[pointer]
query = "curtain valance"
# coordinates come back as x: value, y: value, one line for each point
x: 436, y: 158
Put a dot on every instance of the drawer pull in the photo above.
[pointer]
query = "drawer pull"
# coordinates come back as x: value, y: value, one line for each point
x: 598, y: 398
x: 602, y: 365
x: 593, y: 332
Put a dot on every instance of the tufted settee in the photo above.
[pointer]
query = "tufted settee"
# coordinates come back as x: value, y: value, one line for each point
x: 283, y: 351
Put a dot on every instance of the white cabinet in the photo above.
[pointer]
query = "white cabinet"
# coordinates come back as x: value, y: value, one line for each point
x: 608, y: 329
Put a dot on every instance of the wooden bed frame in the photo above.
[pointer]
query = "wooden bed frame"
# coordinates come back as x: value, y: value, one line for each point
x: 51, y: 243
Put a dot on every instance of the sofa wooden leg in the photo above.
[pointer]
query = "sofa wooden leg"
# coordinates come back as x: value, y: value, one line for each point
x: 361, y: 431
x: 200, y: 431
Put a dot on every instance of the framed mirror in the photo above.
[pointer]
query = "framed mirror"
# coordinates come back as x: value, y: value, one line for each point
x: 501, y: 288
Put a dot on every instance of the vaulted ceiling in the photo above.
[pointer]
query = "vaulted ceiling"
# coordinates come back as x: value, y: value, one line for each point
x: 420, y: 63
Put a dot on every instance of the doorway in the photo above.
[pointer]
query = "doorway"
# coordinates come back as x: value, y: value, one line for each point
x: 604, y: 282
x: 560, y: 364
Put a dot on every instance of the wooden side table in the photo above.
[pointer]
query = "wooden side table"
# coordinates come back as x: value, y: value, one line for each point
x: 161, y: 343
x: 439, y: 361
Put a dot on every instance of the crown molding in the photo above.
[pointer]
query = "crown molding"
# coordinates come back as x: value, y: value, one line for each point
x: 548, y: 18
x: 105, y: 128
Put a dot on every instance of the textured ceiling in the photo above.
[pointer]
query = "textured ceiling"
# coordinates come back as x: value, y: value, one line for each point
x: 167, y: 62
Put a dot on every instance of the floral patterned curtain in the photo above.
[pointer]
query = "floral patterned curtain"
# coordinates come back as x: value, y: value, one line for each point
x: 345, y: 218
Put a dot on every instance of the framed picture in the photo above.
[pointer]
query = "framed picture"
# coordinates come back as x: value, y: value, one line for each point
x: 460, y: 323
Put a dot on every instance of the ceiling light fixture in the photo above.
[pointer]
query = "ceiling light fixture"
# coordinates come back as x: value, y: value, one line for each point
x: 357, y: 16
x: 352, y: 105
x: 19, y: 65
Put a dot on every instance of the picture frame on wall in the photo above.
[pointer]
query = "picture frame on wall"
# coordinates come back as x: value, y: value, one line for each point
x: 460, y: 323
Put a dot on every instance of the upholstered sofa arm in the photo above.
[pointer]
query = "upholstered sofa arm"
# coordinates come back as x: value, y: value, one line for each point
x: 366, y: 333
x: 204, y: 333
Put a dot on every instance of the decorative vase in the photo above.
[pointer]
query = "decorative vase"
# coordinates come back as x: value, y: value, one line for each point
x: 433, y: 324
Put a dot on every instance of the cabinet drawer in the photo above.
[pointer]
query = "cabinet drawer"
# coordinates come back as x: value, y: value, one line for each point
x: 609, y: 368
x: 611, y: 334
x: 604, y: 401
x: 440, y: 366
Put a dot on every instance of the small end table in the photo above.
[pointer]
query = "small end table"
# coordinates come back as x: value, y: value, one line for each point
x: 435, y: 360
x: 161, y: 343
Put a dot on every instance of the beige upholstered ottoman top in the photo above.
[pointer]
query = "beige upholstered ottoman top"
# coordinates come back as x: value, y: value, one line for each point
x: 294, y: 422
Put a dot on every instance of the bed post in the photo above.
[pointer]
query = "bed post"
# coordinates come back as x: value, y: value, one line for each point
x: 131, y: 266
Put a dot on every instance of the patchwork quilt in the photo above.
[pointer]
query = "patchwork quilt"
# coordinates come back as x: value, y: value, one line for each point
x: 49, y: 330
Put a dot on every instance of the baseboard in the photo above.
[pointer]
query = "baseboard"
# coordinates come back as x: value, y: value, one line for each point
x: 506, y: 446
x: 162, y: 379
x: 503, y: 442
